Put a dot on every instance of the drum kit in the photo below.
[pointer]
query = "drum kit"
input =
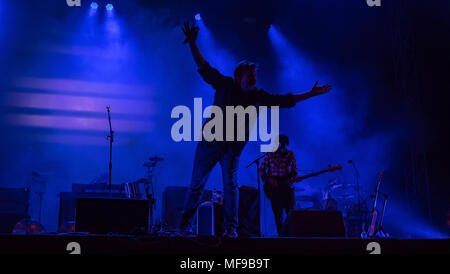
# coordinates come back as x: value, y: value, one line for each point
x: 345, y: 198
x: 342, y: 194
x: 337, y: 195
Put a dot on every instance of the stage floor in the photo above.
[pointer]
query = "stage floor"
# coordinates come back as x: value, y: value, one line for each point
x: 115, y: 244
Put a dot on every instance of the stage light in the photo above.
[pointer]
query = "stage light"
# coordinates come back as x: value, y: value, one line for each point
x: 94, y: 5
x: 109, y: 7
x: 198, y: 17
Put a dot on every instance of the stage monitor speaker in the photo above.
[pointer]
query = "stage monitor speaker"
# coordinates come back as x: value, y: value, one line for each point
x: 14, y: 204
x: 102, y: 216
x: 210, y: 219
x: 173, y: 204
x: 9, y: 220
x: 248, y: 211
x: 305, y: 223
x: 14, y: 200
x: 67, y: 203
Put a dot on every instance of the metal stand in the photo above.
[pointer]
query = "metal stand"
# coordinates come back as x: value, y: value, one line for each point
x: 360, y: 214
x: 41, y: 192
x: 357, y: 183
x: 149, y: 189
x: 34, y: 177
x: 111, y: 140
x: 380, y: 231
x: 259, y: 188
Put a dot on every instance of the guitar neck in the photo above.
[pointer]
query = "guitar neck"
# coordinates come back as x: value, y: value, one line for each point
x: 312, y: 175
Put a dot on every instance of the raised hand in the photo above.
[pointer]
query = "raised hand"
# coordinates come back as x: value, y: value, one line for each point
x: 318, y: 90
x: 190, y: 32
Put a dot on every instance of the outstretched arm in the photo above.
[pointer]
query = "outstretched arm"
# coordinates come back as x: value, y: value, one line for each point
x: 289, y: 100
x: 316, y: 90
x: 191, y: 33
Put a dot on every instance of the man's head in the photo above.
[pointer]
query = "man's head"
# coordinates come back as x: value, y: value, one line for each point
x: 284, y: 142
x: 245, y: 75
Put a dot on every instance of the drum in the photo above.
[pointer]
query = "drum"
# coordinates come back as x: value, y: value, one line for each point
x: 331, y: 204
x: 132, y: 190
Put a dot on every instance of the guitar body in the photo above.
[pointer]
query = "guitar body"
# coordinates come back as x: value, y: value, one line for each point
x: 271, y: 190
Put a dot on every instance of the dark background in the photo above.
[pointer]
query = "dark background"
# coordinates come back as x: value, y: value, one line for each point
x: 389, y: 66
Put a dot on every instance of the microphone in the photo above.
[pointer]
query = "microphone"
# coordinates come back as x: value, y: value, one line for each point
x: 354, y: 167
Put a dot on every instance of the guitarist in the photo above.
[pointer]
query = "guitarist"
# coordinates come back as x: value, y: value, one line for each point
x: 278, y: 171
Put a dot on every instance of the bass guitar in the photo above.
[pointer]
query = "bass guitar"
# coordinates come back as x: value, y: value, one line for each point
x: 271, y: 185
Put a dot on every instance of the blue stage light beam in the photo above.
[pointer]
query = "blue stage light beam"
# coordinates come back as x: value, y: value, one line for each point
x: 93, y: 9
x: 198, y: 17
x: 295, y: 67
x: 109, y: 7
x: 219, y: 57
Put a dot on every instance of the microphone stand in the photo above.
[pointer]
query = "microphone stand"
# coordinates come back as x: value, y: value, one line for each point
x: 110, y: 137
x: 361, y: 215
x: 357, y: 182
x: 256, y: 161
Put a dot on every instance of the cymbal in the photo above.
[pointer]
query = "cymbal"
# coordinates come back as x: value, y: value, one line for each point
x: 142, y: 181
x: 156, y: 159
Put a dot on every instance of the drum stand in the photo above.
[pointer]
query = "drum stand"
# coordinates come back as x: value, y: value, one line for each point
x: 360, y: 212
x: 110, y: 137
x: 149, y: 190
x: 151, y: 201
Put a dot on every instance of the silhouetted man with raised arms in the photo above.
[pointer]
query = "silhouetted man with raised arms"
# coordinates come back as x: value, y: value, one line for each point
x: 240, y: 91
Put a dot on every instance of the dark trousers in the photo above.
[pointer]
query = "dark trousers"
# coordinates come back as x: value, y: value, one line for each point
x: 281, y: 199
x: 207, y: 155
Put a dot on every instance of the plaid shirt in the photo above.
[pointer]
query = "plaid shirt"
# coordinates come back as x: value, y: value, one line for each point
x: 275, y: 164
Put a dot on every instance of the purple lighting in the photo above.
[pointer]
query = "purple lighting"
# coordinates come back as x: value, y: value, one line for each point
x: 80, y: 86
x: 79, y: 103
x: 77, y: 123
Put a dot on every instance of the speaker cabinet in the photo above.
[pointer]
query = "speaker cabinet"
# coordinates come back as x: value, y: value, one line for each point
x: 173, y: 204
x: 102, y: 216
x: 14, y: 203
x: 307, y: 223
x: 248, y: 211
x: 210, y: 219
